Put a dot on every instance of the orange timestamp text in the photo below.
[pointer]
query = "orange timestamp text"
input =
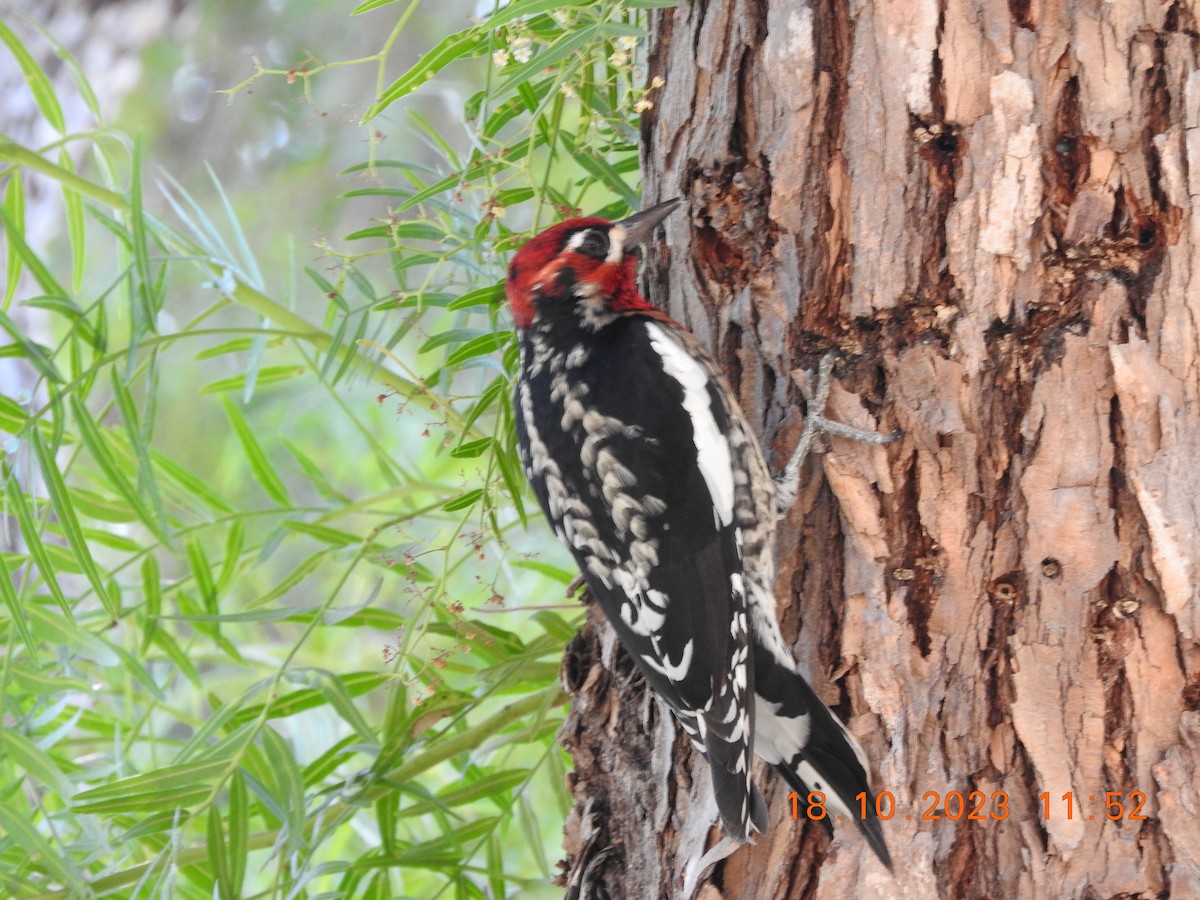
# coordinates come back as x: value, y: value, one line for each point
x: 954, y: 805
x: 972, y: 806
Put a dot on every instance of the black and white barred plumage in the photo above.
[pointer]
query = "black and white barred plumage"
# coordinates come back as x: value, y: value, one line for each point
x: 650, y: 474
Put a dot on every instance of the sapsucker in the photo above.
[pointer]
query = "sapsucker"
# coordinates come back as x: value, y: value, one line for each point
x: 650, y: 474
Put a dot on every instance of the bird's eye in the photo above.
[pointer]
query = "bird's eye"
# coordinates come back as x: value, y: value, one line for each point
x: 595, y: 243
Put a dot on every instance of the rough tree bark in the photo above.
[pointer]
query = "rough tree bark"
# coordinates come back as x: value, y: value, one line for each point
x: 986, y: 205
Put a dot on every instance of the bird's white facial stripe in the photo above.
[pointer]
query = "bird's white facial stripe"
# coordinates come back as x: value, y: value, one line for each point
x: 712, y: 447
x: 616, y: 244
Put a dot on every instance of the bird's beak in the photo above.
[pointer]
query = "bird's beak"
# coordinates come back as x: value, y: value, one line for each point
x: 639, y: 226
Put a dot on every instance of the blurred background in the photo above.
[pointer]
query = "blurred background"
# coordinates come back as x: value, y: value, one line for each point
x: 274, y: 622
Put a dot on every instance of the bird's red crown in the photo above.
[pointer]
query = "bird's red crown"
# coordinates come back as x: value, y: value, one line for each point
x: 586, y: 258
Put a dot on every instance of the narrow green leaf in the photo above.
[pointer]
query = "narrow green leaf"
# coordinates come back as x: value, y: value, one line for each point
x: 291, y: 784
x: 260, y: 466
x: 14, y: 205
x: 35, y: 762
x: 266, y: 375
x: 339, y: 698
x: 52, y: 629
x: 315, y: 475
x: 15, y: 611
x: 470, y: 498
x: 145, y: 307
x: 450, y: 336
x: 472, y: 449
x: 324, y: 533
x: 152, y: 599
x: 233, y: 345
x: 492, y: 295
x: 32, y: 351
x: 13, y: 418
x: 169, y: 787
x: 60, y: 500
x: 202, y: 573
x: 239, y: 832
x: 18, y: 502
x: 355, y: 683
x: 472, y: 42
x: 188, y: 482
x: 487, y: 787
x: 138, y: 437
x: 93, y: 439
x: 39, y: 84
x: 101, y: 507
x: 76, y: 230
x: 480, y: 346
x: 20, y: 829
x: 368, y: 5
x: 234, y: 542
x: 305, y: 568
x: 217, y: 860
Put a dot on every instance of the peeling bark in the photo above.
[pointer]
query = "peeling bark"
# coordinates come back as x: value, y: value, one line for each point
x: 987, y: 208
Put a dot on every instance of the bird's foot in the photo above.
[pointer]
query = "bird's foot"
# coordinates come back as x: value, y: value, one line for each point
x: 788, y: 483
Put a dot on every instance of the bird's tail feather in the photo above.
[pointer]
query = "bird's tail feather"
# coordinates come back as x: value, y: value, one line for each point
x: 831, y: 762
x: 813, y: 750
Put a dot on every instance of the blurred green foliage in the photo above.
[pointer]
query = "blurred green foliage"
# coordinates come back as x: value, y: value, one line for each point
x: 264, y: 557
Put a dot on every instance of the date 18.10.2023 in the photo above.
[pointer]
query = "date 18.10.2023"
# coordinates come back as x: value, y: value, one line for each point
x: 977, y: 806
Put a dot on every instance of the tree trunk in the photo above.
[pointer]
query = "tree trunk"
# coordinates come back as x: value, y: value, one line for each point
x: 986, y: 207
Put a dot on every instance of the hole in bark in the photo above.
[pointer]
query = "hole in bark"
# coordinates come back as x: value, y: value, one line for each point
x: 947, y: 143
x: 577, y: 662
x: 918, y: 546
x: 1191, y: 696
x: 1051, y: 567
x: 1019, y: 10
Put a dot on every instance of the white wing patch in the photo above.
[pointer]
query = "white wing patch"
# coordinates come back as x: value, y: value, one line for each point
x: 778, y: 738
x: 712, y: 447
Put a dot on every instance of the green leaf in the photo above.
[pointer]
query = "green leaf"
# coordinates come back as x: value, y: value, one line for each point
x: 472, y: 42
x: 324, y: 533
x: 98, y: 446
x: 171, y: 787
x: 217, y: 860
x: 54, y: 629
x: 480, y: 346
x: 239, y: 833
x: 20, y: 829
x: 470, y: 498
x: 290, y: 781
x: 260, y: 466
x: 60, y: 501
x: 76, y: 229
x: 472, y: 449
x: 152, y: 599
x: 35, y: 762
x: 568, y: 44
x: 34, y: 352
x: 39, y: 84
x: 491, y: 296
x: 19, y: 504
x: 202, y: 573
x: 487, y: 787
x: 334, y: 691
x: 15, y: 612
x: 450, y: 336
x: 14, y: 205
x: 266, y: 375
